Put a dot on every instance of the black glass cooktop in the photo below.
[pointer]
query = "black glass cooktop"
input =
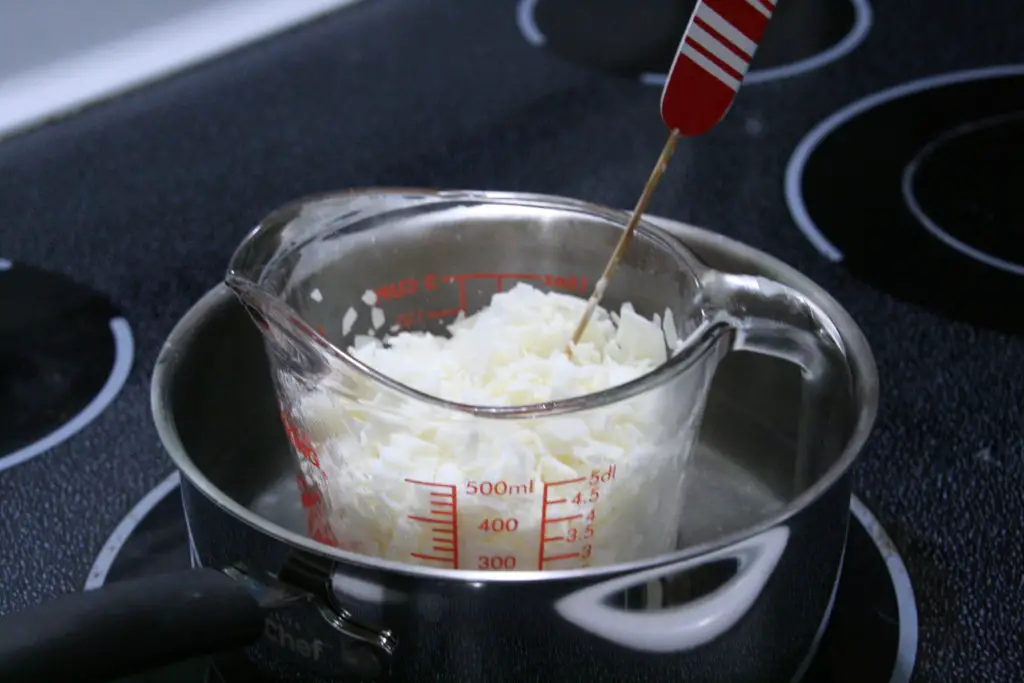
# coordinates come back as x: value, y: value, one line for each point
x: 874, y: 146
x: 932, y: 214
x: 48, y: 324
x: 640, y: 39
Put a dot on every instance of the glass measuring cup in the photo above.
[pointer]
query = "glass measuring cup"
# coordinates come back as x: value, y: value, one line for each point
x: 388, y: 471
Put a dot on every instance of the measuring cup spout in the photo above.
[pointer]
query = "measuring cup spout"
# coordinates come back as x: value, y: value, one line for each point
x: 261, y: 275
x: 292, y: 346
x: 251, y: 297
x: 246, y: 272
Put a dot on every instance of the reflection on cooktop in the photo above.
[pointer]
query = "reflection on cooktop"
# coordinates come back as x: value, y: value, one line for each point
x: 641, y: 39
x: 914, y: 190
x: 64, y: 355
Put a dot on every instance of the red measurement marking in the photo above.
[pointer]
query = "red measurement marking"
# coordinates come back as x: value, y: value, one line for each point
x: 545, y: 520
x: 429, y: 483
x: 317, y: 523
x: 431, y: 557
x: 568, y: 282
x: 445, y: 518
x: 429, y: 520
x: 396, y: 290
x: 500, y: 279
x: 556, y: 558
x: 446, y: 313
x: 409, y: 318
x: 300, y: 441
x: 410, y: 286
x: 460, y: 281
x: 553, y: 520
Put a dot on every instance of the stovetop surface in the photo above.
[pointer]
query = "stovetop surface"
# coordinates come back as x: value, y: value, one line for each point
x: 894, y: 193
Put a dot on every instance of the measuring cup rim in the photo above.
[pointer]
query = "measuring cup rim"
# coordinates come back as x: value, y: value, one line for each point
x: 693, y: 349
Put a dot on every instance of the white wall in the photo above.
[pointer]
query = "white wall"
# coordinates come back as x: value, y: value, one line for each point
x: 59, y: 55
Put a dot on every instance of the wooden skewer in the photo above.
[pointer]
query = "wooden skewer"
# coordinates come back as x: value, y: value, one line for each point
x: 620, y: 248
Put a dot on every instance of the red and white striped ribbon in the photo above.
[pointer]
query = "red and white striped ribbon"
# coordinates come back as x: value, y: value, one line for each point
x: 714, y: 54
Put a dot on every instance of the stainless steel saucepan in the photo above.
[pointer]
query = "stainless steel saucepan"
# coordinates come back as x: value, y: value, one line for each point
x: 743, y: 600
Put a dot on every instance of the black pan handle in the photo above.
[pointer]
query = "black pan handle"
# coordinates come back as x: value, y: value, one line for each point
x: 128, y: 627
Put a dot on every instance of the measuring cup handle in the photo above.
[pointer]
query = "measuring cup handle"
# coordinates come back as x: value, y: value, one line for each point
x: 772, y: 319
x: 685, y: 627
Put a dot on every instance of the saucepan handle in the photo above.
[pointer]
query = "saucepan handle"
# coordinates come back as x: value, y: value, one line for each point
x: 684, y: 627
x: 128, y: 627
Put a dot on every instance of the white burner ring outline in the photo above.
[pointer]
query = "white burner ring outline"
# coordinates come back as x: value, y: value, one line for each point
x: 863, y: 18
x: 119, y: 536
x: 120, y: 369
x: 805, y: 665
x: 906, y: 603
x: 909, y: 197
x: 527, y: 26
x: 798, y: 160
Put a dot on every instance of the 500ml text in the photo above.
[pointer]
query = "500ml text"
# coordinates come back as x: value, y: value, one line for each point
x: 498, y: 488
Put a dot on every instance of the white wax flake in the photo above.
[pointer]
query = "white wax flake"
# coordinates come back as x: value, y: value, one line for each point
x: 316, y: 296
x: 668, y: 326
x: 377, y: 317
x: 348, y: 320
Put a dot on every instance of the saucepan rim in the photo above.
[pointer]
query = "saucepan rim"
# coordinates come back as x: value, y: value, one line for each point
x: 864, y: 372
